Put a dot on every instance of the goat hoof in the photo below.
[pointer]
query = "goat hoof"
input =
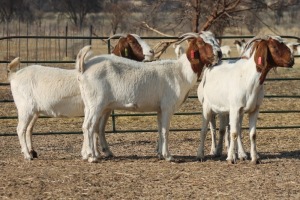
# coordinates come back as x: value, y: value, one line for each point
x: 169, y: 159
x: 28, y: 158
x: 93, y: 160
x: 160, y: 157
x: 243, y: 158
x: 33, y: 154
x: 231, y: 162
x: 255, y: 162
x: 109, y: 155
x: 200, y: 159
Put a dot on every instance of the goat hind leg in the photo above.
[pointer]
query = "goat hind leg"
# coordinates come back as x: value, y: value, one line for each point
x: 212, y: 124
x: 29, y: 136
x: 165, y: 125
x: 252, y: 126
x: 103, y: 143
x: 21, y: 130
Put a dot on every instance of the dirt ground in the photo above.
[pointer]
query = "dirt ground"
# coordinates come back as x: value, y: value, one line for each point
x: 136, y: 173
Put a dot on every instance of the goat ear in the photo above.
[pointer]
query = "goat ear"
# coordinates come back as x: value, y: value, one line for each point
x: 137, y: 50
x: 261, y: 54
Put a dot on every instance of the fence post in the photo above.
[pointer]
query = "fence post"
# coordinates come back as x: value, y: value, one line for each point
x: 113, y: 117
x: 91, y: 34
x: 66, y: 40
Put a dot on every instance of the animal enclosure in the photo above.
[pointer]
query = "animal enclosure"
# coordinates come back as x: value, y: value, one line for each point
x: 60, y: 173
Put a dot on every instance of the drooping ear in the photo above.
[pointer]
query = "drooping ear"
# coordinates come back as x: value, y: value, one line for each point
x: 261, y: 54
x: 193, y: 56
x: 135, y: 48
x: 119, y: 46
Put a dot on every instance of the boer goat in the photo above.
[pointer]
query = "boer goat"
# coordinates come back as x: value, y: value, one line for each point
x: 237, y: 88
x: 240, y: 46
x: 133, y: 47
x: 113, y: 83
x: 48, y: 91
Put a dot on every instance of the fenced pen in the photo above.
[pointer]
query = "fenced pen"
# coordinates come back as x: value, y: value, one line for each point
x: 280, y: 101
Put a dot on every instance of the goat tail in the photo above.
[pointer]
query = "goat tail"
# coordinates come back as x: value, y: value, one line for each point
x: 83, y: 55
x: 13, y: 65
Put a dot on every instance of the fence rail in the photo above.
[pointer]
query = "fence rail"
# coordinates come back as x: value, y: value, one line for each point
x: 114, y: 115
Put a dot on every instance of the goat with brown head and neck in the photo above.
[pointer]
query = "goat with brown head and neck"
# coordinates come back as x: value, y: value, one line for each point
x: 232, y: 89
x: 131, y: 46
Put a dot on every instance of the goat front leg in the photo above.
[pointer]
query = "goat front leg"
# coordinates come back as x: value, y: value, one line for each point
x: 222, y: 132
x: 241, y: 151
x: 165, y: 125
x: 252, y: 126
x: 234, y: 117
x: 159, y: 141
x: 206, y: 116
x: 212, y: 124
x: 102, y: 139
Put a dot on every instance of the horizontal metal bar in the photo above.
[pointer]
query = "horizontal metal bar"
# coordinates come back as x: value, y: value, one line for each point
x: 269, y: 79
x: 40, y: 61
x: 149, y: 130
x: 106, y: 37
x: 154, y: 114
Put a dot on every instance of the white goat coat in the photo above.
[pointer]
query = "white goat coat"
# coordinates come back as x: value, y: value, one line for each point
x: 110, y: 82
x: 125, y: 84
x: 48, y: 91
x: 242, y: 85
x: 232, y: 88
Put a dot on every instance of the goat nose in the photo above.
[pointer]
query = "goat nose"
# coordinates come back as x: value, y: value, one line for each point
x: 151, y: 51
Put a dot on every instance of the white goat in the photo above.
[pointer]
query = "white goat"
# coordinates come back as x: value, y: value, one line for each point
x: 237, y: 88
x: 109, y: 82
x: 52, y: 92
x: 294, y: 47
x: 226, y: 51
x: 179, y: 50
x: 240, y: 46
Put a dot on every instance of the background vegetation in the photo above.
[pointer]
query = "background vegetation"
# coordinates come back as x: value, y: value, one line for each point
x: 153, y: 17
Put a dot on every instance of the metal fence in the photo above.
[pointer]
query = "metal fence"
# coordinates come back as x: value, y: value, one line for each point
x: 12, y: 41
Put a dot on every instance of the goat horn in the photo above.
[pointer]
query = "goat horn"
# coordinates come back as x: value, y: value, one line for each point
x: 187, y: 36
x: 190, y: 34
x: 117, y: 36
x: 251, y: 41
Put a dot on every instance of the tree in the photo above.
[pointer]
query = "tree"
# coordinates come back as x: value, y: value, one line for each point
x: 77, y: 10
x: 118, y: 14
x: 11, y: 9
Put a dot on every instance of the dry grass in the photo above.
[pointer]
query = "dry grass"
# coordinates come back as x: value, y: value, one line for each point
x: 136, y: 173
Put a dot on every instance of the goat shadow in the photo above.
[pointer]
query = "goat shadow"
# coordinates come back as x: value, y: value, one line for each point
x: 187, y: 159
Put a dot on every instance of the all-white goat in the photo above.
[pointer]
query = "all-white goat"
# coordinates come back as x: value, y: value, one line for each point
x: 237, y: 88
x: 294, y: 47
x: 179, y: 50
x: 49, y: 91
x: 109, y: 82
x: 226, y: 50
x: 240, y: 46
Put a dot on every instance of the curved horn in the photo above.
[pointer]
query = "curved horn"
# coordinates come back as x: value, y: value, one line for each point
x: 248, y: 44
x: 190, y: 34
x: 187, y: 36
x: 117, y: 36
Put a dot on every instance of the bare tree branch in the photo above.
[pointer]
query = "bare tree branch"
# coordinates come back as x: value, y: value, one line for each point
x: 154, y: 30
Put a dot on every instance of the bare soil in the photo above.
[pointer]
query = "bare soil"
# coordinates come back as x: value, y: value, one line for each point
x: 136, y: 173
